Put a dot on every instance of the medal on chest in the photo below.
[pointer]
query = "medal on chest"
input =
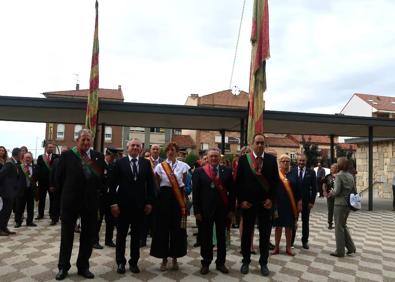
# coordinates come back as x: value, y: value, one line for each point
x: 212, y: 185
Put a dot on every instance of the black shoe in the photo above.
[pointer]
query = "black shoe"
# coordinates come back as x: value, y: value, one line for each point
x: 336, y: 255
x: 17, y: 225
x: 330, y: 226
x: 196, y: 245
x: 97, y: 246
x: 53, y: 222
x: 121, y: 268
x: 61, y: 274
x: 350, y: 253
x: 111, y: 244
x: 271, y: 246
x: 306, y: 246
x: 134, y: 268
x: 3, y: 233
x: 31, y: 224
x: 264, y: 270
x: 6, y: 230
x: 222, y: 268
x: 39, y: 217
x: 86, y: 273
x: 204, y: 270
x: 244, y: 268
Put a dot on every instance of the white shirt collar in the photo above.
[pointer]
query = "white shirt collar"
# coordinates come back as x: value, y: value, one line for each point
x: 170, y: 162
x: 255, y: 155
x: 131, y: 158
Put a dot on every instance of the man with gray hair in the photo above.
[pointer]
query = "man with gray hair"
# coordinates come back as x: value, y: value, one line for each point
x: 79, y: 175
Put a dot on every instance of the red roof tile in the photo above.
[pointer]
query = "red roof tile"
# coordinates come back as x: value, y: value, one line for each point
x: 183, y: 141
x: 346, y: 146
x: 225, y: 98
x: 384, y: 103
x: 105, y: 94
x: 281, y: 142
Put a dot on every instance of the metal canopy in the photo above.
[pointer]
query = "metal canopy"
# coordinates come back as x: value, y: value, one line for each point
x: 189, y: 117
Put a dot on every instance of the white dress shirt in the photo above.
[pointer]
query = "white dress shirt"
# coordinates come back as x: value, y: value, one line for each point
x: 178, y: 167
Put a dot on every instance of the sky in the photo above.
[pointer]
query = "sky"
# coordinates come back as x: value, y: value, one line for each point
x: 162, y: 51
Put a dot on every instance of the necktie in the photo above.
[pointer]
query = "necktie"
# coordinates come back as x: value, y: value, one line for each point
x: 134, y: 167
x: 27, y: 168
x: 300, y: 175
x: 215, y: 170
x: 258, y: 163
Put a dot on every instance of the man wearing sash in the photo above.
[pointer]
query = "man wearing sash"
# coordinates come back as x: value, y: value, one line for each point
x: 213, y: 202
x: 256, y: 183
x: 80, y: 177
x: 44, y: 167
x: 131, y: 196
x: 26, y: 192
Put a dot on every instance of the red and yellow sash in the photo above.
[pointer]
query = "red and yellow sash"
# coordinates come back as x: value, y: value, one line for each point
x: 87, y: 162
x: 288, y: 189
x: 178, y: 193
x: 218, y: 184
x: 260, y: 177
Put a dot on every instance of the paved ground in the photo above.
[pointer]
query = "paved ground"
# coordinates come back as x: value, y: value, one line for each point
x: 32, y: 254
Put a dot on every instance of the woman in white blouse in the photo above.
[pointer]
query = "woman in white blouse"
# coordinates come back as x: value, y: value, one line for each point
x: 169, y: 234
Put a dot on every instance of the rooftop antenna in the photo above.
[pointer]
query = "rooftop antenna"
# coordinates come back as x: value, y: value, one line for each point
x: 77, y: 81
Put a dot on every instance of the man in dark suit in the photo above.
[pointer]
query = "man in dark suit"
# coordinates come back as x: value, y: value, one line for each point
x: 213, y: 202
x: 80, y: 177
x: 104, y: 202
x: 257, y: 180
x: 44, y: 167
x: 10, y: 176
x: 132, y: 194
x: 305, y: 180
x: 25, y: 197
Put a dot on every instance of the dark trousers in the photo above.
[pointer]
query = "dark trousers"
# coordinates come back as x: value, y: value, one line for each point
x: 134, y: 220
x: 206, y: 246
x: 305, y: 224
x: 146, y: 228
x: 88, y: 228
x: 42, y: 195
x: 105, y: 212
x: 6, y: 211
x: 265, y: 226
x: 331, y: 205
x: 22, y: 201
x: 393, y: 196
x: 55, y: 213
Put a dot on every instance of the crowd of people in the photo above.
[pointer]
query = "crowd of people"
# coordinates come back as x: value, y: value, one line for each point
x: 140, y: 193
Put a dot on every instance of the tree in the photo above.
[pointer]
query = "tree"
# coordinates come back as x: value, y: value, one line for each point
x: 191, y: 159
x: 311, y: 151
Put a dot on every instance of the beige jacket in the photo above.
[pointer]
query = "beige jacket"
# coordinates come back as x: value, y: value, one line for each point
x: 344, y: 184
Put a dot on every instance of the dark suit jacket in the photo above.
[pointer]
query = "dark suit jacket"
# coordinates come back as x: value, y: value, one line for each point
x: 23, y: 181
x: 308, y: 187
x: 78, y: 193
x: 130, y: 194
x: 43, y: 171
x: 9, y: 180
x: 207, y: 200
x: 248, y: 187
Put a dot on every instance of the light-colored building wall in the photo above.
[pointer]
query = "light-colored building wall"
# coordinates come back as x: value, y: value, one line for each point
x: 358, y: 107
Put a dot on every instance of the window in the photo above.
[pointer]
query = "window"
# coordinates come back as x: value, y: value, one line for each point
x: 157, y: 130
x: 60, y: 132
x: 177, y: 132
x: 227, y: 146
x: 138, y: 129
x: 77, y: 128
x: 203, y: 146
x: 108, y: 134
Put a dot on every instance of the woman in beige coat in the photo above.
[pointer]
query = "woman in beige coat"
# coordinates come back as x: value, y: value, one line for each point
x: 344, y: 184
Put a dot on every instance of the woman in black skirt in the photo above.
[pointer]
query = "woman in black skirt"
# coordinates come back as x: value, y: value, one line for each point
x: 288, y: 207
x: 169, y: 235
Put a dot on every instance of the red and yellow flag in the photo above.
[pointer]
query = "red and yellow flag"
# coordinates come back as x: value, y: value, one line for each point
x: 93, y: 100
x: 259, y: 54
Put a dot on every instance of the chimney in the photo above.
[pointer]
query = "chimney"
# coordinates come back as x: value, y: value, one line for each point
x: 119, y: 87
x: 77, y: 86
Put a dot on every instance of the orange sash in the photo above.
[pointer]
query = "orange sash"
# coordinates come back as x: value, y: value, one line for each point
x: 178, y: 193
x: 218, y: 184
x: 288, y: 189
